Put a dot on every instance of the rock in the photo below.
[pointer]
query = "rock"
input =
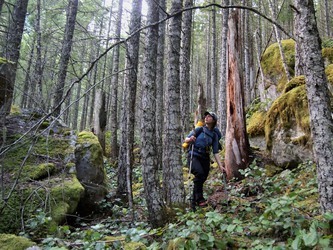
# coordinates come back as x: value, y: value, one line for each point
x: 90, y: 171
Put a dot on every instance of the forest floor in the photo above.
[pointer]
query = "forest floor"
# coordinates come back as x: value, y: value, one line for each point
x: 270, y: 208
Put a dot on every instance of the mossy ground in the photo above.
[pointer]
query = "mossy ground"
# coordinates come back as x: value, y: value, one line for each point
x: 11, y: 242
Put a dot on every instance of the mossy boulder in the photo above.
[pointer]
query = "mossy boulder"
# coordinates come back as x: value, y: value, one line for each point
x: 90, y: 171
x: 11, y: 242
x: 40, y: 186
x: 287, y: 126
x: 274, y: 73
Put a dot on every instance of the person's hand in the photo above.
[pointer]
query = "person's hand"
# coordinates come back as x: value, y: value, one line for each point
x: 192, y: 138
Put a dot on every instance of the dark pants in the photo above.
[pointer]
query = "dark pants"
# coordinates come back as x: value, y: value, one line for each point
x: 200, y: 169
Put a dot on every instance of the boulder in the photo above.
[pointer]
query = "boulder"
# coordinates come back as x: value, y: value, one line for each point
x: 90, y: 171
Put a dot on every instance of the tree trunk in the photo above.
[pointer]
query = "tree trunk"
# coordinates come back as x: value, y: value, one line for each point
x: 172, y: 169
x: 208, y: 67
x: 222, y: 109
x: 247, y: 66
x: 151, y: 182
x: 100, y: 117
x: 160, y: 84
x: 65, y: 54
x: 185, y: 66
x: 39, y: 68
x: 321, y: 121
x: 327, y: 19
x: 12, y: 54
x: 125, y: 158
x: 114, y: 87
x: 213, y: 67
x: 27, y: 89
x: 237, y: 144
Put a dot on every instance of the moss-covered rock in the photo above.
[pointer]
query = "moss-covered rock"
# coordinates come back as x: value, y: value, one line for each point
x: 90, y: 170
x: 11, y: 242
x: 66, y: 196
x: 272, y: 66
x: 40, y: 171
x: 37, y: 182
x: 287, y: 126
x: 256, y: 124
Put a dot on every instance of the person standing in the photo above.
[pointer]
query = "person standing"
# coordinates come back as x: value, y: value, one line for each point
x: 203, y: 140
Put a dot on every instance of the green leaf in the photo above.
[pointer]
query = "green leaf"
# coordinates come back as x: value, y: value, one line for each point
x: 231, y: 228
x: 310, y: 239
x: 297, y: 242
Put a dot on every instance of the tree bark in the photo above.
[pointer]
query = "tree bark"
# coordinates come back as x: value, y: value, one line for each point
x: 27, y: 89
x: 65, y: 54
x: 12, y: 54
x: 114, y: 87
x: 151, y: 181
x: 100, y: 117
x: 185, y: 66
x: 236, y: 142
x: 160, y: 84
x: 213, y: 58
x: 321, y: 121
x: 39, y: 67
x: 125, y: 158
x: 222, y: 109
x: 172, y: 168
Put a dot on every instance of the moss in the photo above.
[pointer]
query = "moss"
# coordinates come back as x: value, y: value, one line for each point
x: 66, y: 196
x: 327, y: 54
x: 293, y: 83
x: 89, y: 140
x: 40, y: 171
x: 256, y: 124
x: 272, y: 66
x: 329, y: 73
x: 11, y: 242
x: 134, y: 246
x: 289, y: 108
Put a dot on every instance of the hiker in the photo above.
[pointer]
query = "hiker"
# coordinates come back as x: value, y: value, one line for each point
x: 201, y: 140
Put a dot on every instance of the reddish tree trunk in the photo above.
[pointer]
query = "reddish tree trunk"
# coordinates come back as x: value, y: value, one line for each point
x: 237, y: 144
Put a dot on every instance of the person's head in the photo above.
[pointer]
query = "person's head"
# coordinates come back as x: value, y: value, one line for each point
x: 210, y: 118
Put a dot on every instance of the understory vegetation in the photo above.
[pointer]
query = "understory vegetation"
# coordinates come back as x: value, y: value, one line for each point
x: 259, y: 212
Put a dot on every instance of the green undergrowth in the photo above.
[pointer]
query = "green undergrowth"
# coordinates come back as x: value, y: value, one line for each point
x: 259, y: 212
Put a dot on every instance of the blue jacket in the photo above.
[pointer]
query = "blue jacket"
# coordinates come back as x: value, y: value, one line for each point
x: 206, y: 139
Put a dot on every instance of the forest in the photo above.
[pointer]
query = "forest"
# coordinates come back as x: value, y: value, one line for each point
x: 97, y: 97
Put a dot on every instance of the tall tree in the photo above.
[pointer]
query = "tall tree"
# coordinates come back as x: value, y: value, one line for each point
x: 321, y: 121
x: 172, y: 168
x: 222, y: 109
x: 160, y: 83
x: 65, y: 54
x: 151, y: 181
x: 39, y: 68
x: 114, y: 86
x: 125, y: 158
x: 236, y: 141
x: 185, y: 66
x: 12, y: 54
x: 213, y: 62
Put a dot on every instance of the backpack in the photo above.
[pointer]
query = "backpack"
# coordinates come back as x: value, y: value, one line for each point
x: 199, y: 130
